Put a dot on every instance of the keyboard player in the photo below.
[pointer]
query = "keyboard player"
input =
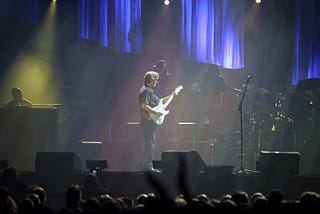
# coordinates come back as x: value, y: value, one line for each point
x: 17, y: 99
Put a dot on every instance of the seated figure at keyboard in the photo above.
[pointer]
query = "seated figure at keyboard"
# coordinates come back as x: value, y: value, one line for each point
x: 17, y: 99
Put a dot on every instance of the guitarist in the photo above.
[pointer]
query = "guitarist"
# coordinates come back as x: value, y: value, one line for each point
x: 148, y: 99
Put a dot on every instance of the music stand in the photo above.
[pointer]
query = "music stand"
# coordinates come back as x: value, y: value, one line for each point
x: 242, y: 170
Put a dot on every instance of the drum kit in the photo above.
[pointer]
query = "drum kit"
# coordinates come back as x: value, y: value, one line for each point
x: 272, y: 119
x: 284, y: 121
x: 279, y: 120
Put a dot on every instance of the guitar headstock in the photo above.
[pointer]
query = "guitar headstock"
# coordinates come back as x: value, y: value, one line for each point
x: 178, y: 89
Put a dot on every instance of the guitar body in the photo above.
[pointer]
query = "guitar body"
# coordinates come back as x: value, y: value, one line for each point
x: 160, y: 107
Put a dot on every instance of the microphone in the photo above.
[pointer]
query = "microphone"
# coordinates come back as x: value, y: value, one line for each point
x: 248, y: 79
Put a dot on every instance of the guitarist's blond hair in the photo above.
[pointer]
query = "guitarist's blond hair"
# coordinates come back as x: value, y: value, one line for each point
x: 150, y: 76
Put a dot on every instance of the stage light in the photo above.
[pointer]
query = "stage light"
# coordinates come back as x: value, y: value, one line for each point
x: 166, y: 2
x: 258, y: 1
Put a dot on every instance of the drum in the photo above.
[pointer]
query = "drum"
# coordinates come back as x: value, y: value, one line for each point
x: 301, y: 111
x: 277, y: 128
x: 277, y: 134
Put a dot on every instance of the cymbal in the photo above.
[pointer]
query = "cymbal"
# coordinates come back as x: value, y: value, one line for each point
x: 235, y: 89
x: 256, y: 89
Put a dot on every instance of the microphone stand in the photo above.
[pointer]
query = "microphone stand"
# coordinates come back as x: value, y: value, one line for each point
x: 242, y: 170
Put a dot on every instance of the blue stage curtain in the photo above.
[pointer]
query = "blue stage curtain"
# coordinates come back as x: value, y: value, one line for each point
x: 25, y: 10
x: 114, y: 23
x: 212, y: 31
x: 89, y: 19
x: 307, y: 41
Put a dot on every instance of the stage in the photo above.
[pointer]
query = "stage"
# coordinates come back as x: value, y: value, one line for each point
x: 211, y: 169
x: 207, y: 169
x: 56, y: 160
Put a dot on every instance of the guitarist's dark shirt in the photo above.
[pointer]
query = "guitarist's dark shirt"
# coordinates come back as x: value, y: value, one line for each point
x: 148, y: 96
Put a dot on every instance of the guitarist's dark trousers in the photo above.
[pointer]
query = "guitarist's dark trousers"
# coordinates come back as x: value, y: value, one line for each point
x: 149, y: 134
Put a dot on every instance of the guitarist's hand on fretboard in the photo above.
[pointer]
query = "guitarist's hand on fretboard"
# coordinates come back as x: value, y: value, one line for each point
x: 175, y: 93
x: 177, y: 90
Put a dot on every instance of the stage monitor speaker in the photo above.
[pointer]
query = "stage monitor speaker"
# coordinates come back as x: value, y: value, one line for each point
x: 58, y: 162
x: 274, y: 162
x: 173, y: 160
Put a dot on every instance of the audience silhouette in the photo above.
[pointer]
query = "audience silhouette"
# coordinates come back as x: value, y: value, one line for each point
x: 16, y: 189
x: 91, y: 187
x: 7, y: 204
x: 42, y: 195
x: 74, y: 199
x: 91, y: 199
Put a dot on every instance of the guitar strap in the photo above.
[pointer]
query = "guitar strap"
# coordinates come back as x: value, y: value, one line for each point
x: 156, y: 95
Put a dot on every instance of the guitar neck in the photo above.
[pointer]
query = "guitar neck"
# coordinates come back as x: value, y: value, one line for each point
x: 170, y: 98
x: 165, y: 105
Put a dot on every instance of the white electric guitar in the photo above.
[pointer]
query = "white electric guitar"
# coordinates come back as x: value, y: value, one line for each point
x: 161, y: 107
